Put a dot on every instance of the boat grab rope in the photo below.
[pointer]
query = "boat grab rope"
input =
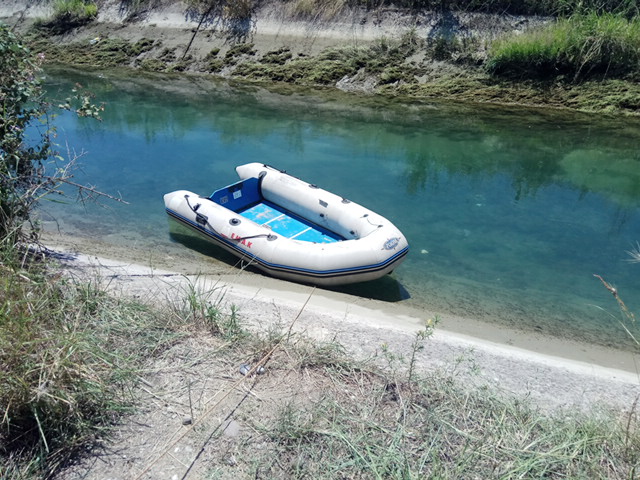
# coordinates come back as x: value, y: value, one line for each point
x: 268, y: 236
x: 200, y: 218
x: 203, y: 220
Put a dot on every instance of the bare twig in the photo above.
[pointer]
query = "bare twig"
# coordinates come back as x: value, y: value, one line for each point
x: 92, y: 190
x: 205, y: 14
x: 627, y: 314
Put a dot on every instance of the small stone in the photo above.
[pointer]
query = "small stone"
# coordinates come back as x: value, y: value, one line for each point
x: 231, y: 429
x: 246, y: 368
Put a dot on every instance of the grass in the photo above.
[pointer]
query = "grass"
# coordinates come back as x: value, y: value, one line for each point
x: 384, y: 59
x: 69, y: 14
x: 578, y: 47
x: 527, y: 7
x: 586, y: 61
x: 317, y: 9
x: 326, y: 9
x: 342, y: 418
x: 72, y: 356
x: 203, y: 309
x: 68, y: 353
x: 103, y: 52
x: 634, y: 253
x: 439, y: 430
x: 79, y: 10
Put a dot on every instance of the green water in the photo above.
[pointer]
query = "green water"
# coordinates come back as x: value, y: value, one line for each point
x: 509, y: 212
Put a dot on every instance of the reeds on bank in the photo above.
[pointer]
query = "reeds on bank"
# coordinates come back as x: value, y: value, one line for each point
x: 578, y: 47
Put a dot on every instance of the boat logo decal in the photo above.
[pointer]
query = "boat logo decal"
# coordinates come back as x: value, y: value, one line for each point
x: 392, y: 243
x: 242, y: 240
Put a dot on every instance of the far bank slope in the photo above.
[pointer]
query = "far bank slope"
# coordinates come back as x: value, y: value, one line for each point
x: 435, y: 55
x: 427, y: 54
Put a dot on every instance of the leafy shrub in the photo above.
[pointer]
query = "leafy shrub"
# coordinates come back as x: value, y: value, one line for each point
x: 19, y: 164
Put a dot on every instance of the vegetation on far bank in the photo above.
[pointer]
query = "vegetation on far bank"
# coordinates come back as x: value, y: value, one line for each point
x: 588, y: 58
x: 81, y: 11
x: 68, y: 14
x: 576, y: 48
x: 311, y: 8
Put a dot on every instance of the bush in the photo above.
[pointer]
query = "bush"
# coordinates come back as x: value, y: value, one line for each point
x: 75, y: 10
x: 65, y: 367
x: 29, y: 166
x: 20, y: 165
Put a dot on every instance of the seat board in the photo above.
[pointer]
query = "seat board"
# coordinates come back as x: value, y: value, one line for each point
x: 287, y: 225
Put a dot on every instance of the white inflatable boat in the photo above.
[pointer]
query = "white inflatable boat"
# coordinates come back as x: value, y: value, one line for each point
x: 291, y: 229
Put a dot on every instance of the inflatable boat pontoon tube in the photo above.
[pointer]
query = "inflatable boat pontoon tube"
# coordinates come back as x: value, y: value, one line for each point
x: 291, y: 229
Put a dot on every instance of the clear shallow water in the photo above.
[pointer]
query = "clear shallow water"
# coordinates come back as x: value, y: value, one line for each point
x: 509, y: 212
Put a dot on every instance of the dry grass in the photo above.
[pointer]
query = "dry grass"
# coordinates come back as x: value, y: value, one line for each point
x: 68, y: 353
x: 317, y: 10
x: 314, y: 411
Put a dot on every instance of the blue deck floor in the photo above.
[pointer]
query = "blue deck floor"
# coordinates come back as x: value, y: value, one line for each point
x: 283, y: 223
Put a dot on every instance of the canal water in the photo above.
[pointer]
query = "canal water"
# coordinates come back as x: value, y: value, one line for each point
x: 509, y: 212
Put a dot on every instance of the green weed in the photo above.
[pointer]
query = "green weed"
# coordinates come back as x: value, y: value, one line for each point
x: 203, y: 307
x: 384, y: 59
